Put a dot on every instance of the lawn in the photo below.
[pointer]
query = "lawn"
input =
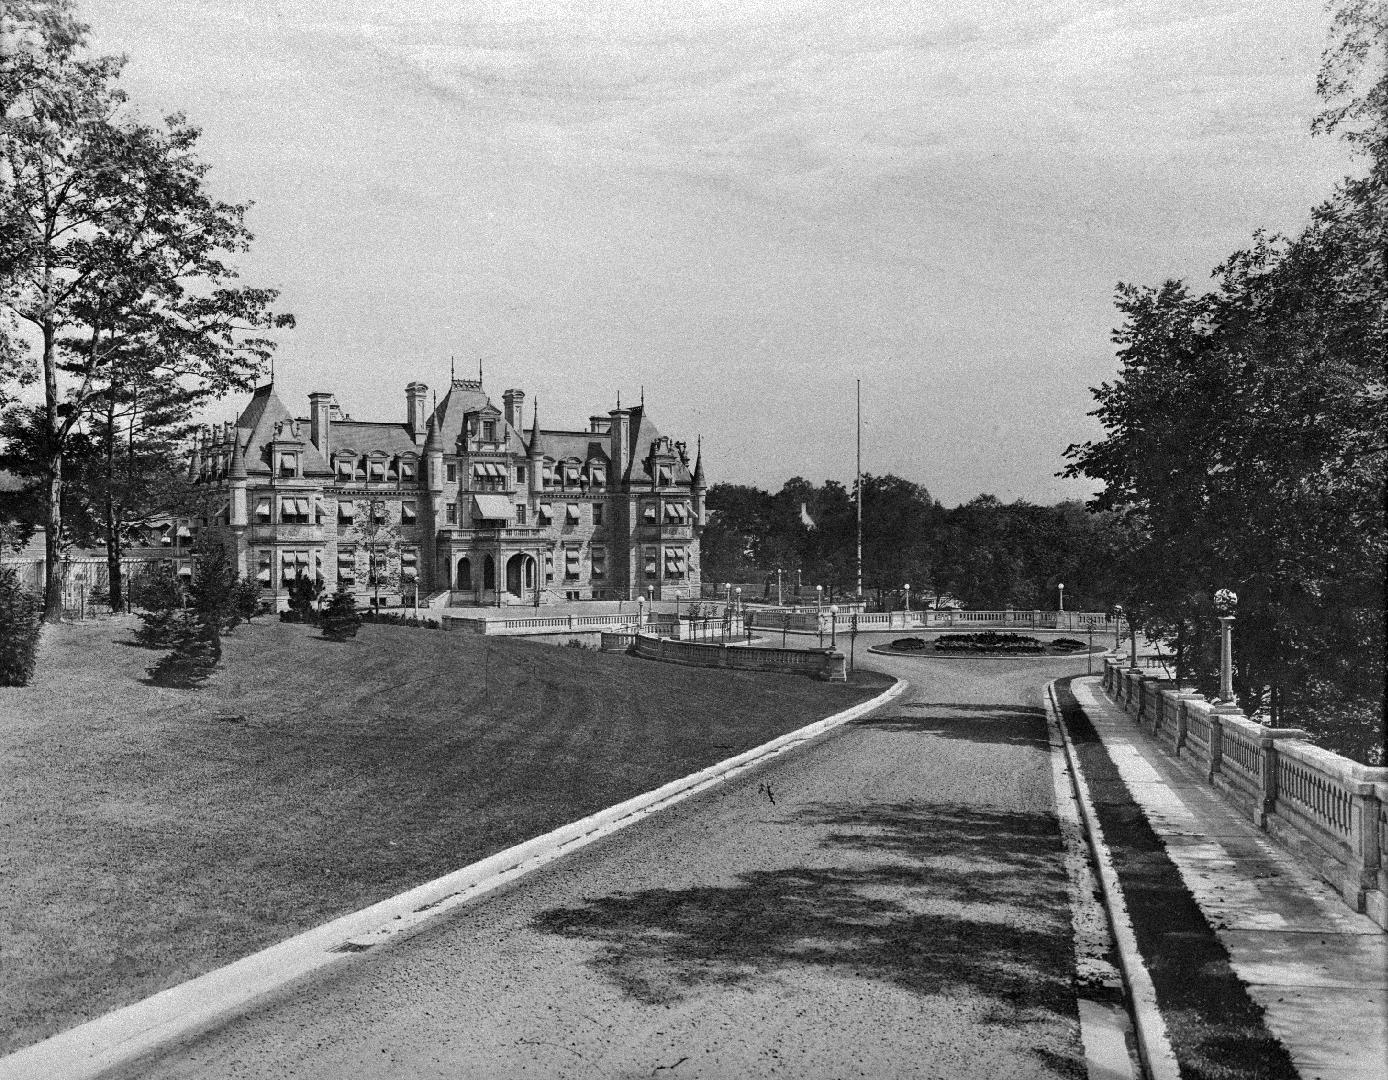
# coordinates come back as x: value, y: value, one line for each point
x: 153, y: 834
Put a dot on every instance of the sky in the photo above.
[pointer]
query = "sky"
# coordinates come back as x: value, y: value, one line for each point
x: 742, y: 206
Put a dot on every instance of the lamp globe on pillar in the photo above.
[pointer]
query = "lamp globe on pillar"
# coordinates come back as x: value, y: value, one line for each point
x: 1061, y: 586
x: 833, y: 626
x: 1226, y: 602
x: 908, y: 598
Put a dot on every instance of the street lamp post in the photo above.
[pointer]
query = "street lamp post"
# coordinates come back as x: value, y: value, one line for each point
x: 833, y: 626
x: 908, y: 601
x: 778, y: 586
x: 1226, y: 602
x: 640, y: 612
x: 852, y: 640
x: 737, y: 609
x: 1061, y: 587
x: 1117, y: 626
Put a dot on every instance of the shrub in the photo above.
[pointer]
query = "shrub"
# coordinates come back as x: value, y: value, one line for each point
x: 159, y: 592
x: 19, y: 631
x: 197, y: 647
x: 341, y: 620
x: 1068, y: 644
x: 213, y: 588
x: 908, y: 643
x: 245, y: 598
x: 303, y: 591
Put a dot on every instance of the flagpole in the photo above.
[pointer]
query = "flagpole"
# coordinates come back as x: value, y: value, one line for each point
x: 858, y: 485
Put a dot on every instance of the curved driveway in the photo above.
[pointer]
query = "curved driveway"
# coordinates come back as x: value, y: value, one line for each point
x: 888, y: 902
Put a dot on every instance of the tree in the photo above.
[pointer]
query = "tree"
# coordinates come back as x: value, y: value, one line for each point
x: 110, y: 247
x: 341, y: 619
x: 382, y: 540
x: 19, y: 631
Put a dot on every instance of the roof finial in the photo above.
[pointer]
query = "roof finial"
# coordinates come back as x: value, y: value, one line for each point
x: 619, y: 401
x: 272, y: 369
x: 643, y: 395
x: 479, y: 369
x: 452, y: 369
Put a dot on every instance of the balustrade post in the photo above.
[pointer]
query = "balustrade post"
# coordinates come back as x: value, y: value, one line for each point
x: 1216, y: 744
x: 1368, y: 857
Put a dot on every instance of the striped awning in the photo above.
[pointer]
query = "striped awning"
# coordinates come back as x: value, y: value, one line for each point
x: 493, y: 507
x: 571, y: 514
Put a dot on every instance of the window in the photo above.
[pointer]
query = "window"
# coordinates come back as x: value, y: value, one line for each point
x: 597, y: 513
x: 344, y: 468
x: 571, y: 513
x: 571, y: 564
x: 450, y: 513
x: 648, y: 513
x: 409, y: 564
x: 288, y: 463
x: 520, y: 513
x: 549, y: 566
x: 346, y: 512
x: 597, y: 474
x: 264, y: 566
x: 546, y: 513
x: 674, y: 562
x: 380, y: 513
x: 489, y: 431
x: 293, y: 564
x: 664, y: 474
x: 408, y: 513
x: 571, y: 474
x: 262, y: 511
x: 407, y: 470
x: 347, y: 566
x: 652, y: 556
x: 452, y: 468
x: 675, y: 513
x: 520, y: 474
x: 488, y: 477
x: 599, y: 559
x: 376, y: 470
x: 294, y: 511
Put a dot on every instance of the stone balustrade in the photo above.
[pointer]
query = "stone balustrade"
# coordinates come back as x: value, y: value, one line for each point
x: 814, y: 619
x: 1330, y: 811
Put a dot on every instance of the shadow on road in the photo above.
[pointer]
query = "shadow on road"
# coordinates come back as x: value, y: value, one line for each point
x: 938, y: 900
x: 1013, y: 725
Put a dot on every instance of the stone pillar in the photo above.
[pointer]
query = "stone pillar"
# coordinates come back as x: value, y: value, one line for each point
x: 1226, y: 658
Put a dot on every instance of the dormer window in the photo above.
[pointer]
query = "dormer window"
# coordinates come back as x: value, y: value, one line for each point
x: 407, y: 472
x: 664, y: 474
x: 344, y: 468
x: 288, y: 463
x: 597, y: 474
x: 489, y: 431
x: 376, y: 470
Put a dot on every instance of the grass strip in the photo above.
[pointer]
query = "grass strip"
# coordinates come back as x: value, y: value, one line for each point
x: 153, y: 834
x: 1217, y: 1031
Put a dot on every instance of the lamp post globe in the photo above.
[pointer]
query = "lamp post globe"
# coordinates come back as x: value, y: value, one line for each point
x: 908, y: 598
x: 833, y: 626
x: 1061, y: 587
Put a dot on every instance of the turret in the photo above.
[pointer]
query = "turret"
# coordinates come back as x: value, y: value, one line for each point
x: 433, y: 455
x: 697, y: 486
x: 537, y: 455
x: 236, y: 475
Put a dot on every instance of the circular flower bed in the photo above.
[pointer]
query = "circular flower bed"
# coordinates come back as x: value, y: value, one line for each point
x: 989, y: 643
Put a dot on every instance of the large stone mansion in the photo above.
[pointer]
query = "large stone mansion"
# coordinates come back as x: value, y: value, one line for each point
x: 457, y: 499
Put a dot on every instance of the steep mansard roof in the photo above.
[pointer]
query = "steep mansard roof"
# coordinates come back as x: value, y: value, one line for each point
x: 255, y: 430
x: 365, y: 437
x: 466, y: 396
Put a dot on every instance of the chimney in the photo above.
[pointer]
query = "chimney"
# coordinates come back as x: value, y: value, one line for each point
x: 416, y: 396
x: 621, y: 440
x: 319, y: 404
x: 514, y: 402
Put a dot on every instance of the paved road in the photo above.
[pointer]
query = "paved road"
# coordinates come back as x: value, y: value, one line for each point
x: 890, y: 902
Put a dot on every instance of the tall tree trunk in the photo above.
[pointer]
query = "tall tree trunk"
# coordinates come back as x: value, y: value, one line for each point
x: 53, y: 516
x: 114, y: 584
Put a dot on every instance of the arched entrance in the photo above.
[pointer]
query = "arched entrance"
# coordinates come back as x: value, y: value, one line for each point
x: 462, y: 580
x: 520, y: 575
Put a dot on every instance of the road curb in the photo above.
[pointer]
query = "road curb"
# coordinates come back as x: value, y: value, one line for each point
x: 1154, y: 1045
x: 119, y: 1037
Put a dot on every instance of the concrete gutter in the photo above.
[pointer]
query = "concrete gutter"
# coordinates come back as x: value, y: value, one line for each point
x: 1153, y: 1044
x: 86, y: 1051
